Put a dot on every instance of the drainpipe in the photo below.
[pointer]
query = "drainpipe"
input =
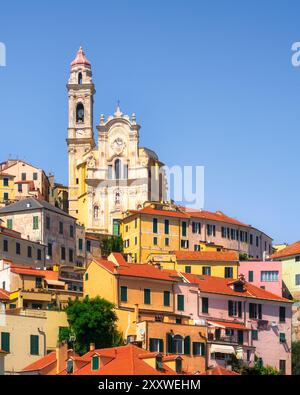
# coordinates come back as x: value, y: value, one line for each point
x: 44, y: 336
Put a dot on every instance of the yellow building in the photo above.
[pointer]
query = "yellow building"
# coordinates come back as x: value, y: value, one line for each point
x: 156, y: 228
x: 7, y: 186
x: 148, y: 308
x: 213, y: 263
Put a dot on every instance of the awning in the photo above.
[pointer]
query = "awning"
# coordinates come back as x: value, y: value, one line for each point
x: 55, y: 282
x: 227, y: 324
x: 222, y: 349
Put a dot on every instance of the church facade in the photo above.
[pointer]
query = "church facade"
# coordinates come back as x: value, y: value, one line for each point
x: 109, y: 173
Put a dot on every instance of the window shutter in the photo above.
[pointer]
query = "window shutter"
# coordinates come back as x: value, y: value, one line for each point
x: 147, y: 296
x: 202, y: 349
x: 230, y: 308
x: 169, y: 343
x: 187, y: 345
x: 180, y: 302
x: 5, y: 341
x: 161, y: 345
x: 259, y: 312
x: 95, y: 362
x: 166, y: 298
x: 152, y: 344
x: 194, y: 346
x: 240, y: 309
x: 34, y: 345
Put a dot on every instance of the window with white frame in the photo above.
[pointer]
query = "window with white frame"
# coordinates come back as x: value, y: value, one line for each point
x: 270, y: 275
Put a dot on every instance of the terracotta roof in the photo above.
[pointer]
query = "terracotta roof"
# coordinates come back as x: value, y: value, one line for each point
x: 220, y: 371
x: 29, y: 271
x: 228, y: 324
x: 80, y: 59
x: 217, y: 216
x: 119, y: 258
x: 125, y: 360
x: 41, y: 363
x: 4, y: 295
x: 221, y: 285
x: 166, y: 213
x: 292, y: 249
x: 136, y: 270
x: 219, y: 256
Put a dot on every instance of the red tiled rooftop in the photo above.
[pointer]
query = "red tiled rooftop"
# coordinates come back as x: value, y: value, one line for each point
x: 29, y: 271
x: 219, y: 371
x: 221, y: 285
x: 292, y: 249
x: 136, y: 270
x: 126, y: 360
x: 166, y: 213
x: 219, y: 256
x: 42, y: 362
x: 4, y: 295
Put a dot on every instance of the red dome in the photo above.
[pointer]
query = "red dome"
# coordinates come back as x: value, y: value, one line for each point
x: 80, y: 59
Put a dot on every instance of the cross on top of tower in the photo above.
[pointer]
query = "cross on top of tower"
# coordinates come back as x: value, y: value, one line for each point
x: 81, y: 59
x: 118, y: 112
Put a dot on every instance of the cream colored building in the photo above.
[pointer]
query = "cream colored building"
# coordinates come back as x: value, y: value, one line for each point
x: 29, y: 181
x: 23, y: 337
x: 108, y: 173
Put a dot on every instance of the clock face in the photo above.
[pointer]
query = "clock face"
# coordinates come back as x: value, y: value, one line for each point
x: 79, y: 133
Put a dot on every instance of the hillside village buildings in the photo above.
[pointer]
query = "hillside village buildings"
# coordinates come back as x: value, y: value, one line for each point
x: 193, y: 290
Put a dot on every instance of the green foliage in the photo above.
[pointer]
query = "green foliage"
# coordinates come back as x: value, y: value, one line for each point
x: 296, y: 358
x: 111, y: 244
x: 91, y: 321
x: 64, y: 334
x: 243, y: 256
x: 256, y: 370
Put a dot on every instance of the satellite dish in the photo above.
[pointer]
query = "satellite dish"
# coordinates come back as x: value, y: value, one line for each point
x: 142, y: 331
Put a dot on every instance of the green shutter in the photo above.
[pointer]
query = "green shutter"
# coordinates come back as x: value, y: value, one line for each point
x: 169, y: 343
x: 86, y: 276
x: 152, y: 344
x: 123, y: 294
x: 254, y: 334
x: 180, y: 302
x: 250, y: 276
x: 9, y: 223
x: 147, y: 296
x: 5, y: 341
x: 35, y: 222
x: 166, y: 298
x: 95, y: 362
x: 282, y: 337
x: 161, y: 345
x: 202, y: 349
x: 154, y: 225
x: 187, y: 345
x: 195, y: 348
x: 205, y: 305
x: 34, y: 345
x: 230, y: 308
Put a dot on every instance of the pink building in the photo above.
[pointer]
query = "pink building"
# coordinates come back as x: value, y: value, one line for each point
x: 263, y: 274
x: 219, y: 229
x: 242, y: 320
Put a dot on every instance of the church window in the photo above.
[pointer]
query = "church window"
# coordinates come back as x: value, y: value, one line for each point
x: 79, y: 113
x: 117, y: 169
x: 110, y: 172
x: 96, y: 212
x: 80, y: 78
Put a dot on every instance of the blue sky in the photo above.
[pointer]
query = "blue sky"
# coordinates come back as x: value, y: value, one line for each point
x: 211, y: 83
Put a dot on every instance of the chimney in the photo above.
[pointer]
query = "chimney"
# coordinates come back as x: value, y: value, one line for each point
x: 61, y: 356
x: 92, y: 346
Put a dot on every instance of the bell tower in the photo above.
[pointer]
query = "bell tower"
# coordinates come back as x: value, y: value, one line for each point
x: 80, y: 139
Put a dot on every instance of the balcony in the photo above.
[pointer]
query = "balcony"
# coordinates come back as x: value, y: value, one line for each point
x: 212, y: 338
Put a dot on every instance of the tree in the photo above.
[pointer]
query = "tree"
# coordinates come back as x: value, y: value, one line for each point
x: 111, y: 244
x: 296, y: 358
x: 243, y: 256
x: 91, y: 321
x: 256, y: 370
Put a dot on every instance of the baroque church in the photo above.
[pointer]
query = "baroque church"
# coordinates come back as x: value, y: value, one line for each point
x: 109, y: 173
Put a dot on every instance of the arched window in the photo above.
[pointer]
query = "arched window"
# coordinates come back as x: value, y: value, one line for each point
x: 79, y: 78
x: 178, y: 344
x: 96, y: 212
x: 79, y: 113
x: 117, y: 169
